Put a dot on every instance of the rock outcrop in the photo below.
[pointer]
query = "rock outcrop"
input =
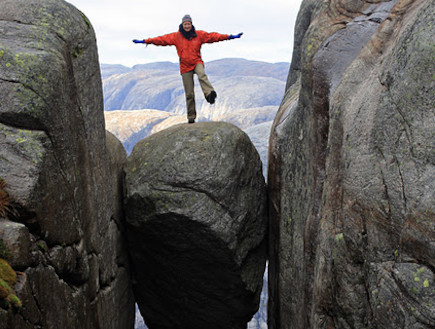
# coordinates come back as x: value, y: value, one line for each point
x: 61, y: 171
x: 351, y: 170
x: 197, y: 220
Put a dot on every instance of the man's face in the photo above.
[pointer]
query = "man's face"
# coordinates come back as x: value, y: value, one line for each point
x: 187, y: 26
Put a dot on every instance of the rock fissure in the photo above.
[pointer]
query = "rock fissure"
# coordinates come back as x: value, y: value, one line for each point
x: 10, y: 80
x: 407, y: 126
x: 15, y: 21
x: 186, y: 187
x: 35, y: 298
x: 402, y: 184
x: 371, y: 303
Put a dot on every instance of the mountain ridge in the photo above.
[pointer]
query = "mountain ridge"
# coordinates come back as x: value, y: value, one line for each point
x: 249, y: 94
x: 277, y: 70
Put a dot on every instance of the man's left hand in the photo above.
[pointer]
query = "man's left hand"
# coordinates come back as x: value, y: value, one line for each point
x: 235, y: 36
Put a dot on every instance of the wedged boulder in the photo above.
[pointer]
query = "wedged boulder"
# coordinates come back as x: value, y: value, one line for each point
x: 197, y: 222
x: 351, y: 170
x: 61, y: 172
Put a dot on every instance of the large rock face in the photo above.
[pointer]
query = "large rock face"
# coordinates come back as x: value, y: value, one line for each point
x: 62, y: 173
x: 351, y: 170
x: 197, y: 220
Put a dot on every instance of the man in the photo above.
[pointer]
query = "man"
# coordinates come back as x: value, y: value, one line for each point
x: 188, y: 42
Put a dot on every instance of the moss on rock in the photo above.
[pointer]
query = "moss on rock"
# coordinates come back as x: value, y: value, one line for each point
x: 8, y: 278
x: 7, y: 273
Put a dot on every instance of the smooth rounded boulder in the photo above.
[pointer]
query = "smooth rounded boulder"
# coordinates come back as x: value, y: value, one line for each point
x: 197, y: 222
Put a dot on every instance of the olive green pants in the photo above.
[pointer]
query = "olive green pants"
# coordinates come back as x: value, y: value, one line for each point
x: 189, y: 87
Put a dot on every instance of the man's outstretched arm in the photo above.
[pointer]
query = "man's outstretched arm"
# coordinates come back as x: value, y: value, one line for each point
x: 210, y: 37
x: 164, y: 40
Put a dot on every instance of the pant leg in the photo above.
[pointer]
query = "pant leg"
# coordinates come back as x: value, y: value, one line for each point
x: 205, y: 84
x: 190, y: 94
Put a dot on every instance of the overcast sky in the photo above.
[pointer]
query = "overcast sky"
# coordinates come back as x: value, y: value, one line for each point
x: 267, y: 26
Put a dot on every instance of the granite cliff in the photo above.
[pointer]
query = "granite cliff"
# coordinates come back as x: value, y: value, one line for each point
x: 62, y: 174
x: 351, y: 170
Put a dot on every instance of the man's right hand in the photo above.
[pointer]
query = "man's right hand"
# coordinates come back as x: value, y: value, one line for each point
x: 138, y: 41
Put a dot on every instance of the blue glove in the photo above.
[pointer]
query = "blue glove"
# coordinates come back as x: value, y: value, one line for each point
x: 235, y: 36
x: 138, y: 41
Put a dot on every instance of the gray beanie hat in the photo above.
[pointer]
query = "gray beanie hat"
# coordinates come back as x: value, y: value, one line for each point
x: 186, y: 18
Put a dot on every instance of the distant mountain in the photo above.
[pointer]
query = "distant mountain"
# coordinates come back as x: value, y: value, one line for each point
x: 243, y: 67
x: 225, y: 67
x: 240, y: 84
x: 108, y: 70
x: 150, y: 97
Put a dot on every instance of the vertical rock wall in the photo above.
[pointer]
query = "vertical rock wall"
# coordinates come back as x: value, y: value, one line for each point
x: 62, y: 173
x: 351, y: 170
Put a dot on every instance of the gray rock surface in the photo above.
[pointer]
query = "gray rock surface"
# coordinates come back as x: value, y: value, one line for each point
x: 351, y: 168
x: 65, y: 233
x: 197, y: 220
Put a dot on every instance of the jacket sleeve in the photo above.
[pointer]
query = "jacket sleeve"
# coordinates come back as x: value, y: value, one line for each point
x: 211, y: 37
x: 164, y: 40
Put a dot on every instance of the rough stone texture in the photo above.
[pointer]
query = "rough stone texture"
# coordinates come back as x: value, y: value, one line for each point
x: 351, y: 170
x: 17, y: 240
x: 197, y: 219
x: 66, y: 183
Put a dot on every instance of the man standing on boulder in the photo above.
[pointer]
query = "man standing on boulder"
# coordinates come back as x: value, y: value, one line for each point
x: 188, y: 42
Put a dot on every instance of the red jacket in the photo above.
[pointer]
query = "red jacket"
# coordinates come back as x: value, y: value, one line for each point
x: 189, y: 51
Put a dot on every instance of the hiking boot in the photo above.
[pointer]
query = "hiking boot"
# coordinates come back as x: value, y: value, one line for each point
x: 211, y: 97
x: 191, y: 121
